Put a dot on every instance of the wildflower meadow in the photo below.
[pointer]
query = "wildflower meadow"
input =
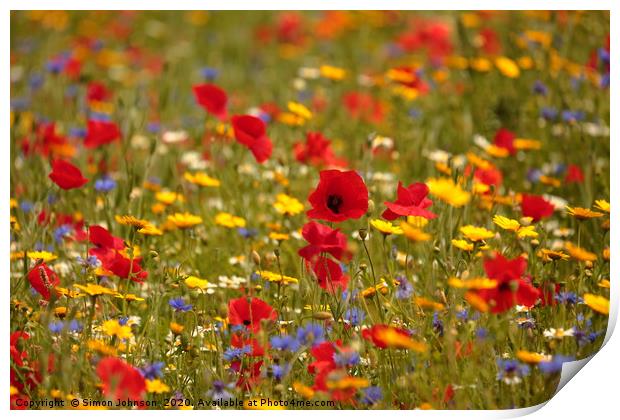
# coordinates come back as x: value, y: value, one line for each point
x: 306, y: 210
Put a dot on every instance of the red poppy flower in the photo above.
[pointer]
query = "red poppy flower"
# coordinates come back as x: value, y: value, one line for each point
x: 363, y: 106
x: 411, y: 201
x: 324, y: 357
x: 505, y: 139
x: 249, y: 374
x: 489, y: 176
x: 512, y: 289
x: 324, y: 366
x: 212, y: 98
x: 536, y: 207
x: 43, y: 280
x: 120, y: 380
x: 378, y: 333
x: 317, y: 151
x: 47, y: 141
x: 250, y: 313
x: 251, y: 132
x: 101, y: 238
x: 66, y: 176
x: 99, y: 133
x: 321, y: 239
x: 124, y: 267
x: 340, y: 195
x: 491, y: 43
x: 329, y: 275
x: 256, y: 349
x: 574, y: 174
x: 97, y: 92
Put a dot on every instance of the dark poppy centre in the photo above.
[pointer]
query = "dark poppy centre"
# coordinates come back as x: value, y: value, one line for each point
x: 334, y: 202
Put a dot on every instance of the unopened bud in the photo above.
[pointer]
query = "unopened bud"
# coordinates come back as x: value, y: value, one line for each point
x: 255, y: 258
x: 322, y: 315
x: 371, y: 207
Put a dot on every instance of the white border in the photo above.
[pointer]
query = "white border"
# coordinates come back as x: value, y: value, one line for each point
x: 592, y: 394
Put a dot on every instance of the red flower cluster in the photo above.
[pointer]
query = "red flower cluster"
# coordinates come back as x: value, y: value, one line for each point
x: 249, y: 313
x: 536, y: 207
x: 252, y: 133
x: 505, y: 139
x: 324, y: 366
x: 120, y: 380
x: 512, y: 287
x: 317, y: 151
x: 325, y: 240
x: 47, y: 141
x: 25, y: 374
x: 107, y: 250
x: 97, y: 92
x: 411, y: 201
x: 363, y: 106
x: 99, y: 133
x: 212, y: 98
x: 574, y: 174
x: 66, y: 175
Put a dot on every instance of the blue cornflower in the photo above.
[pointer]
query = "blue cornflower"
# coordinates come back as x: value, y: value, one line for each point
x: 265, y: 117
x: 349, y: 296
x: 355, y: 316
x: 572, y: 116
x: 91, y: 261
x: 122, y: 320
x: 77, y: 132
x: 219, y: 390
x: 372, y: 395
x: 153, y: 127
x: 284, y: 343
x: 462, y: 315
x: 71, y: 91
x: 56, y: 327
x: 576, y: 82
x: 105, y: 184
x: 36, y: 81
x: 26, y: 206
x: 55, y: 65
x: 404, y: 289
x: 555, y: 364
x: 415, y: 113
x: 549, y: 113
x: 604, y: 55
x: 533, y: 175
x: 152, y: 371
x: 233, y: 353
x: 437, y: 324
x: 247, y: 233
x: 482, y: 333
x: 209, y: 73
x: 311, y: 334
x: 605, y: 81
x: 569, y: 298
x: 61, y: 231
x: 279, y: 371
x: 347, y: 358
x: 20, y: 104
x: 99, y: 116
x: 511, y: 371
x: 179, y: 305
x: 540, y: 88
x: 75, y: 326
